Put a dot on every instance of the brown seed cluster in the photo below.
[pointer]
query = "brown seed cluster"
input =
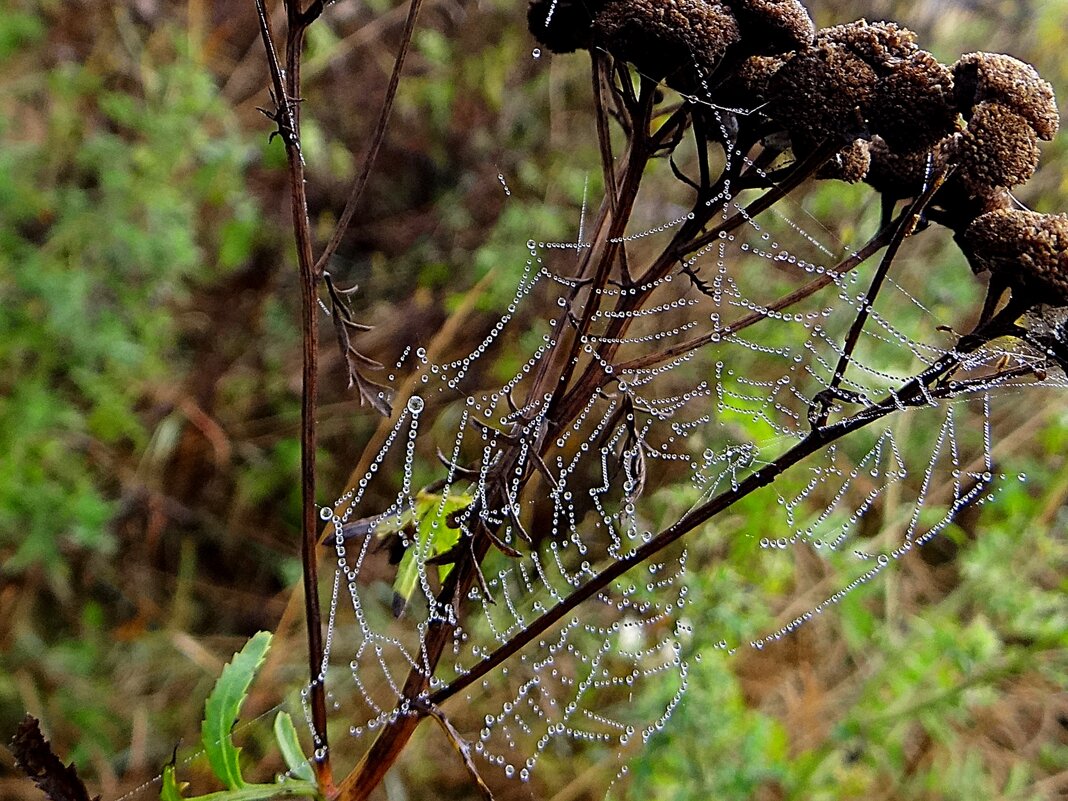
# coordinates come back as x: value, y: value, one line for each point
x: 999, y: 148
x: 898, y: 175
x: 773, y: 26
x: 864, y: 79
x: 850, y: 164
x: 1027, y: 249
x: 896, y: 114
x: 821, y: 92
x: 997, y: 78
x: 681, y: 40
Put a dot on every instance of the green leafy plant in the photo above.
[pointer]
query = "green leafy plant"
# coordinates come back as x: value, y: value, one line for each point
x: 221, y: 713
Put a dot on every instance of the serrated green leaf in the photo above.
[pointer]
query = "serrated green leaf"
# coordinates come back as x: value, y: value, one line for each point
x: 223, y: 707
x: 289, y: 744
x: 171, y: 790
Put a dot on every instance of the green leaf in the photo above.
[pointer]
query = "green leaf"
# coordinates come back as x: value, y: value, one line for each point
x: 289, y: 744
x: 433, y: 537
x: 262, y: 792
x: 171, y: 790
x: 223, y: 706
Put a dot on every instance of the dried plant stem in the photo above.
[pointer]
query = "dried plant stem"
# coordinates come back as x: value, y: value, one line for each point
x: 685, y: 241
x: 786, y: 301
x: 902, y: 230
x: 592, y: 275
x: 287, y: 116
x: 553, y: 379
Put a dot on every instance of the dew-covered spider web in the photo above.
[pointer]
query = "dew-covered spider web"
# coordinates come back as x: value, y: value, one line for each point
x: 707, y: 381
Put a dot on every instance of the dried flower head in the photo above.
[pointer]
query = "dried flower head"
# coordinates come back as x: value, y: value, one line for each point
x: 1027, y: 249
x: 817, y: 94
x: 864, y: 78
x: 999, y: 148
x: 880, y: 44
x: 1015, y: 84
x: 754, y: 74
x: 562, y: 26
x: 850, y: 164
x: 913, y: 104
x: 895, y: 174
x: 773, y: 26
x: 684, y: 39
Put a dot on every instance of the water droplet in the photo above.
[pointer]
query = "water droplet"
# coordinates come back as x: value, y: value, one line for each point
x: 415, y: 404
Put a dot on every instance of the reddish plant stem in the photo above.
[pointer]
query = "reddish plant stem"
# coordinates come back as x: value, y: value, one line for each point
x: 287, y: 115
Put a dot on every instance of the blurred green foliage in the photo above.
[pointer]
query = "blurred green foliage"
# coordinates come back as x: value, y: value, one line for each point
x: 127, y: 189
x: 120, y: 201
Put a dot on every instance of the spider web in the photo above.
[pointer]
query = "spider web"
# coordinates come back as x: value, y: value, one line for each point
x: 678, y: 430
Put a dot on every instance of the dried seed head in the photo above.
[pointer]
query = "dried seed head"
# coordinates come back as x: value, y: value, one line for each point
x: 999, y: 148
x: 1028, y: 249
x: 562, y: 26
x: 912, y: 107
x: 753, y: 76
x: 861, y: 79
x: 773, y: 26
x: 879, y: 44
x: 850, y: 164
x: 985, y: 77
x: 817, y: 93
x: 667, y: 38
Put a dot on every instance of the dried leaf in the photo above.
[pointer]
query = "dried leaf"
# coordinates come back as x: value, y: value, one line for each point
x: 373, y: 394
x: 370, y: 393
x: 34, y: 755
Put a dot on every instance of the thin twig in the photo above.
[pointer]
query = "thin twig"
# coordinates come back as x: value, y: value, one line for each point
x: 377, y: 138
x: 911, y: 394
x: 463, y: 748
x: 852, y: 262
x: 904, y: 229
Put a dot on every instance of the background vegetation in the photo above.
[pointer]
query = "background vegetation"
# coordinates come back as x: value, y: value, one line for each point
x: 149, y: 403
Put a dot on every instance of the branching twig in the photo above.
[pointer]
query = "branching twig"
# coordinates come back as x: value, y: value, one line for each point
x: 822, y: 402
x: 912, y: 394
